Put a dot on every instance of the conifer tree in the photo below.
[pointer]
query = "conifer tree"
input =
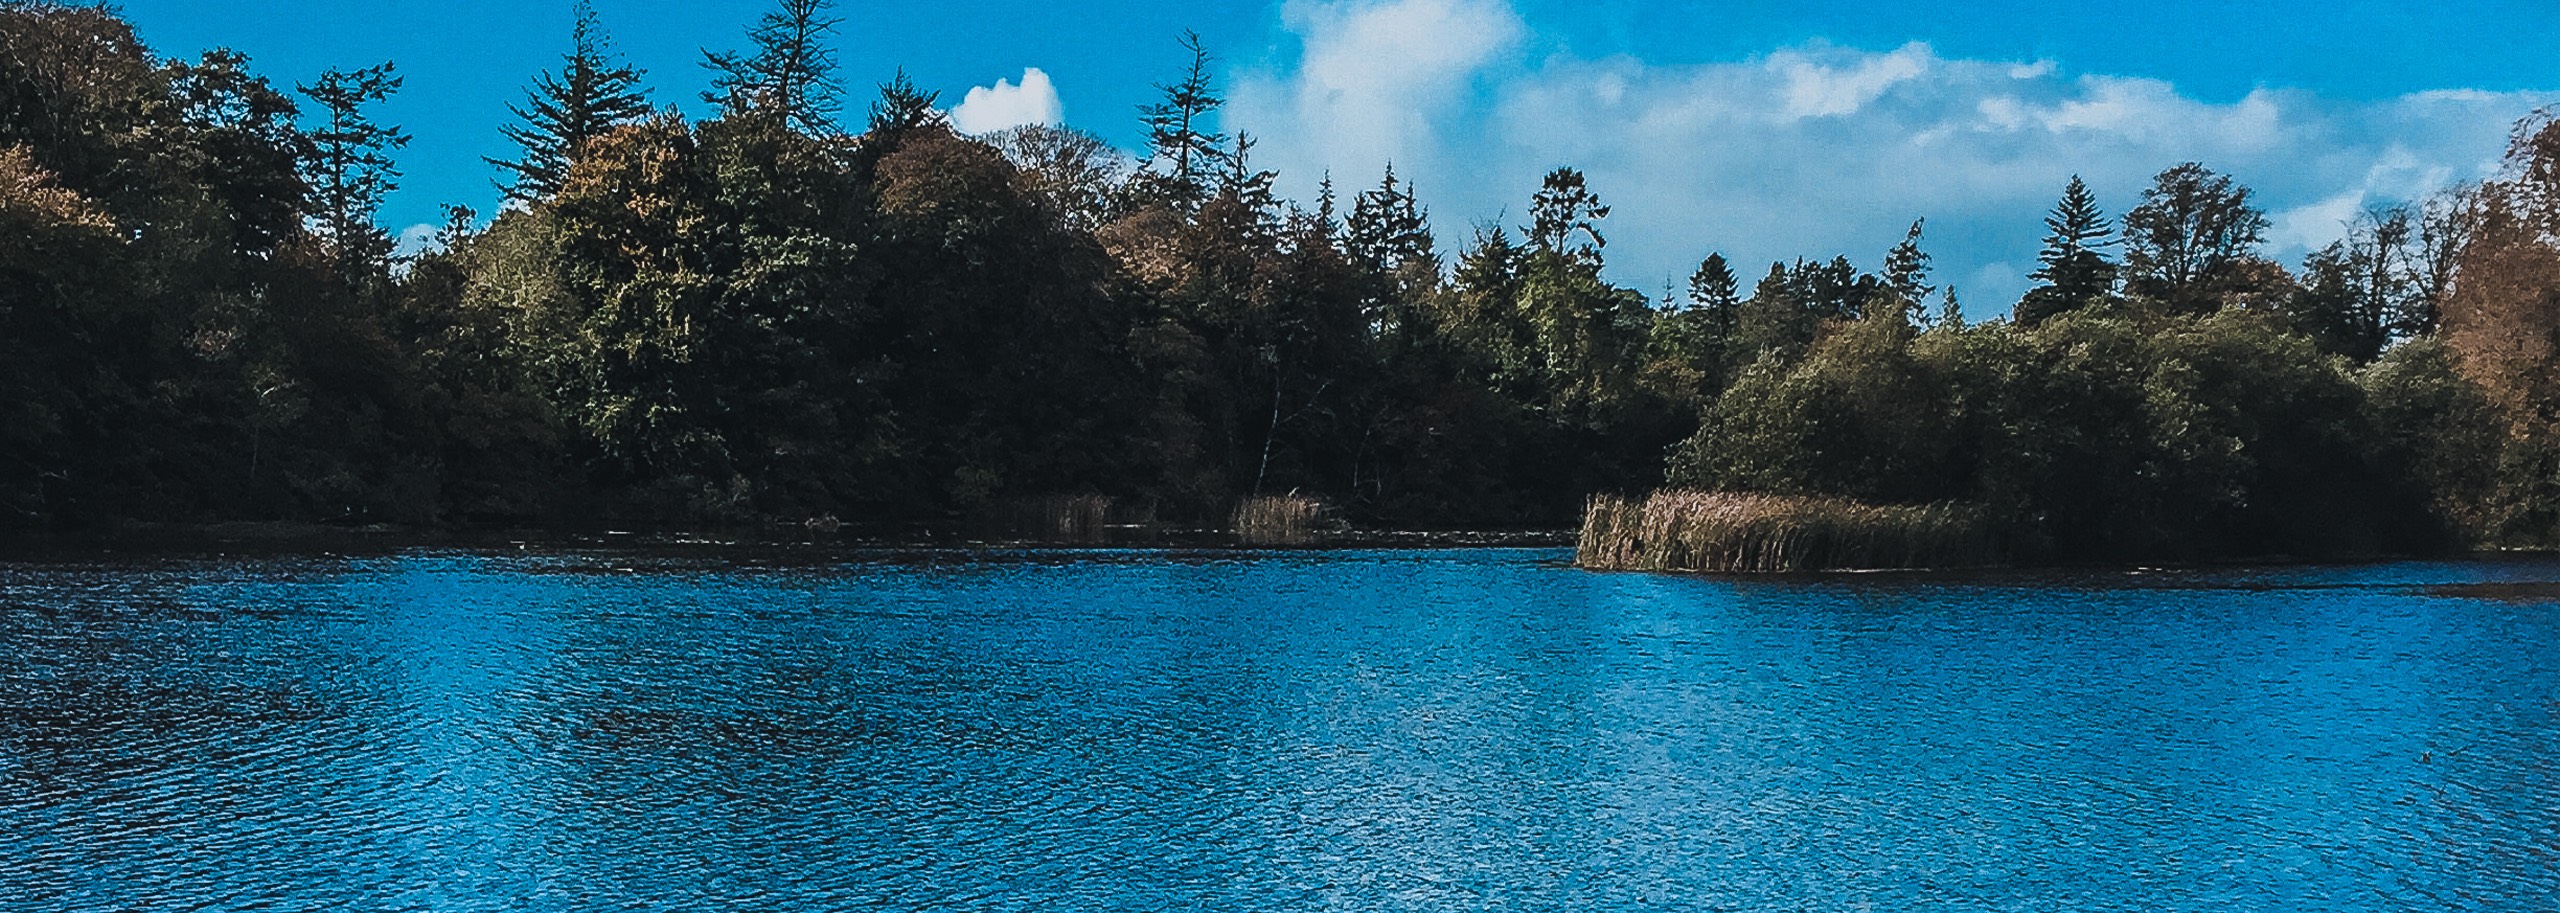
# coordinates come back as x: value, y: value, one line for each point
x: 1388, y: 228
x: 1327, y: 213
x: 1713, y: 286
x: 592, y: 93
x: 2073, y: 270
x: 1183, y: 154
x: 350, y: 168
x: 901, y: 109
x: 791, y: 75
x: 1715, y: 296
x: 1906, y: 274
x: 1249, y: 186
x: 1563, y: 207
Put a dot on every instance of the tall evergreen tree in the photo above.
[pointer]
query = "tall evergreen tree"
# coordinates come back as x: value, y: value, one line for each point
x: 1713, y: 287
x: 790, y: 77
x: 593, y: 92
x: 1563, y: 207
x: 2072, y: 268
x: 1183, y: 155
x: 1713, y: 314
x: 1249, y: 186
x: 1906, y: 275
x: 1388, y: 237
x: 351, y: 168
x: 901, y: 109
x: 1388, y: 227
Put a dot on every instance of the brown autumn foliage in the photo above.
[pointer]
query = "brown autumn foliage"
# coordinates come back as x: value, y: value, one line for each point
x: 2502, y: 321
x: 33, y: 201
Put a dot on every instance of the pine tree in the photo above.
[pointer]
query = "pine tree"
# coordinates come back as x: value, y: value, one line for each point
x: 1715, y: 295
x: 1242, y: 181
x: 902, y: 107
x: 791, y: 76
x: 1906, y: 274
x: 2074, y: 271
x: 1326, y: 212
x: 350, y: 166
x: 1183, y: 155
x: 1388, y: 228
x: 1950, y: 311
x: 1713, y: 287
x: 1563, y: 207
x: 591, y: 94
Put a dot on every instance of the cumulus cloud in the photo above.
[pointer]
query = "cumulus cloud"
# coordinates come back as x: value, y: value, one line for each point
x: 1828, y: 88
x: 987, y: 109
x: 1817, y: 150
x: 1377, y: 82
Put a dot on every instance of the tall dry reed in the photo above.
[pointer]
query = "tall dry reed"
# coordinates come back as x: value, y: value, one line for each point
x: 1075, y: 518
x: 1289, y: 519
x: 1725, y: 532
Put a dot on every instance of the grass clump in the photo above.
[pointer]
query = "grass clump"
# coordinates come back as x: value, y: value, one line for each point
x: 1081, y: 518
x: 1728, y: 532
x: 1290, y: 519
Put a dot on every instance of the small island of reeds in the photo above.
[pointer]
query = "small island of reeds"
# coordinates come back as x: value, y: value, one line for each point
x: 1727, y: 532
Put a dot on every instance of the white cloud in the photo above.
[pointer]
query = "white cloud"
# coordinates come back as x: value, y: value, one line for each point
x: 987, y: 109
x: 1378, y: 82
x: 1816, y: 150
x: 1831, y: 83
x: 416, y: 240
x: 2313, y: 225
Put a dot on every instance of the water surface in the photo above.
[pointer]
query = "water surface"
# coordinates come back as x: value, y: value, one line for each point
x: 1464, y: 730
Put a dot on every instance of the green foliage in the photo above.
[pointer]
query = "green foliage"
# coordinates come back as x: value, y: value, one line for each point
x: 350, y: 168
x: 2437, y: 429
x: 1564, y: 218
x: 2357, y: 289
x: 2187, y: 246
x: 592, y: 93
x: 2091, y: 437
x: 1904, y: 285
x: 790, y: 77
x: 756, y: 319
x: 1184, y: 156
x: 2072, y: 265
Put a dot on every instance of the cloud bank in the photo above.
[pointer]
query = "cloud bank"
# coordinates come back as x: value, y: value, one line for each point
x: 1815, y: 150
x: 987, y: 109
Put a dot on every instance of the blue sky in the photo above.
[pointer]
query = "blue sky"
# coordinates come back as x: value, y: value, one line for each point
x: 1765, y: 130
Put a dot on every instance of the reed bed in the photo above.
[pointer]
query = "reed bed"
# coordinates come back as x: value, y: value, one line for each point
x: 1290, y: 519
x: 1734, y: 533
x: 1076, y: 518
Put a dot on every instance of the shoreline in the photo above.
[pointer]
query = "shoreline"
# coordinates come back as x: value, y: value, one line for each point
x: 306, y: 538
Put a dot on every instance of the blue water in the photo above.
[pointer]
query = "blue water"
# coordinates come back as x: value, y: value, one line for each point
x: 1469, y: 730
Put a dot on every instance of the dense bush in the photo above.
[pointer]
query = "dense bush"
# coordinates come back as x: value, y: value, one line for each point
x: 2088, y: 436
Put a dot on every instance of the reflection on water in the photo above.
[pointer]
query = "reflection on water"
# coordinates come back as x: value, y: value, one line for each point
x: 1382, y: 730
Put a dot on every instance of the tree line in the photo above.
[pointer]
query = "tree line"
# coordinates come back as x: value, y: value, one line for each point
x: 813, y: 305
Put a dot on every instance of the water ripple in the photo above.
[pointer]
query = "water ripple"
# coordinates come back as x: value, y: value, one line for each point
x: 1360, y: 731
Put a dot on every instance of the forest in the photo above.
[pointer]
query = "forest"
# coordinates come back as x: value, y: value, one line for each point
x: 818, y: 306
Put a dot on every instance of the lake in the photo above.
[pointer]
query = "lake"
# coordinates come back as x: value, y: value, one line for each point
x: 724, y: 729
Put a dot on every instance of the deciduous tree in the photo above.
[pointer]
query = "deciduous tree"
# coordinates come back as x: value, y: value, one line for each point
x: 2187, y: 243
